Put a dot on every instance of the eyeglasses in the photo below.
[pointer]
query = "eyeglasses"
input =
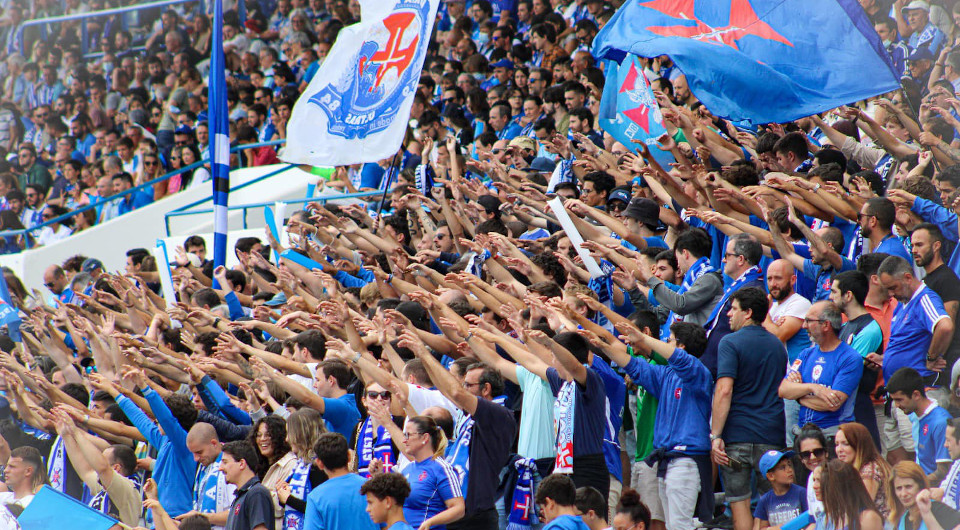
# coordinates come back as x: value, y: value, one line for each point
x: 809, y: 320
x: 149, y: 162
x: 407, y: 435
x: 382, y: 395
x: 617, y: 206
x: 440, y: 237
x: 819, y: 453
x: 468, y: 385
x: 860, y: 216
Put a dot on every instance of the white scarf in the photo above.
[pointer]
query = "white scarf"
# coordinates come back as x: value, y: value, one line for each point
x: 564, y: 412
x: 57, y: 466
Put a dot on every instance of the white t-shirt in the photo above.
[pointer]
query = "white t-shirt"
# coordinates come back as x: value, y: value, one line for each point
x: 7, y: 497
x: 423, y: 398
x: 794, y: 306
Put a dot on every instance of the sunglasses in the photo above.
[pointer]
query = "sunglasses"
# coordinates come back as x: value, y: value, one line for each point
x: 149, y: 162
x: 382, y: 395
x: 819, y: 453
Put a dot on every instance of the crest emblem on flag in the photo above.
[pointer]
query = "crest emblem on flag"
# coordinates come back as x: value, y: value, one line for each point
x: 367, y: 98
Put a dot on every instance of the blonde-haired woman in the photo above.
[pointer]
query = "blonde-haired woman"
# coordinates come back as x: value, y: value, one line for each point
x: 304, y: 428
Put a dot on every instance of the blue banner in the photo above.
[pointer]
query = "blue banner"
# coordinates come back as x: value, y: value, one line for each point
x: 758, y: 61
x: 9, y: 315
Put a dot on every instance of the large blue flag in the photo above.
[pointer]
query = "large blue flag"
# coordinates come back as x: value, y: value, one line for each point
x: 628, y: 109
x: 9, y: 314
x: 219, y: 138
x: 758, y: 61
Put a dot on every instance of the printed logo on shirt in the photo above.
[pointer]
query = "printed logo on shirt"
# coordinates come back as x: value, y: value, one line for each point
x: 422, y: 477
x: 817, y: 371
x: 796, y: 366
x: 676, y: 393
x: 926, y: 429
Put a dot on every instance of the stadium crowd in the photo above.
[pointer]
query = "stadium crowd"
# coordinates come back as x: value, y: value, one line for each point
x: 762, y: 334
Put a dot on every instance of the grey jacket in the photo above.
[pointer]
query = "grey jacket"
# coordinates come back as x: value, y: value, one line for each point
x: 696, y: 304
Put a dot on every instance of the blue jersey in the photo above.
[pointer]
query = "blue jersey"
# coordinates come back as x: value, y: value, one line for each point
x: 432, y: 483
x: 341, y: 414
x: 893, y: 246
x: 839, y: 369
x: 567, y: 522
x: 930, y: 432
x: 911, y: 331
x: 823, y: 277
x: 683, y: 389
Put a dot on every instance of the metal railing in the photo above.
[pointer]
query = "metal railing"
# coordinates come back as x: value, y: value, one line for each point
x: 184, y: 210
x: 131, y: 191
x: 43, y: 22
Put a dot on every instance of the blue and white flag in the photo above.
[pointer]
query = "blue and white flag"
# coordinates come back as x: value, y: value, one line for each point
x: 628, y: 109
x: 217, y: 121
x: 9, y: 314
x: 357, y: 106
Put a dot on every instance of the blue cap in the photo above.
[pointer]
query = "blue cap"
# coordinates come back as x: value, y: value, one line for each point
x: 619, y: 195
x: 920, y: 54
x: 183, y: 129
x: 503, y: 63
x: 770, y: 459
x: 543, y: 165
x: 91, y: 264
x: 278, y: 299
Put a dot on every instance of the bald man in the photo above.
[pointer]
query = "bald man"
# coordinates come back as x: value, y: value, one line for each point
x: 212, y: 495
x: 785, y: 320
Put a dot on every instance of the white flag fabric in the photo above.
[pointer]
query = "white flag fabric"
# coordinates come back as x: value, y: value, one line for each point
x: 357, y: 106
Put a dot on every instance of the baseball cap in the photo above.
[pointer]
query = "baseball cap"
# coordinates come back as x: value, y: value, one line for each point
x: 278, y: 299
x: 644, y: 210
x: 622, y: 195
x: 543, y: 165
x: 916, y: 4
x: 503, y: 63
x: 920, y: 54
x: 489, y: 203
x: 524, y: 142
x: 770, y: 459
x: 91, y: 264
x: 183, y: 129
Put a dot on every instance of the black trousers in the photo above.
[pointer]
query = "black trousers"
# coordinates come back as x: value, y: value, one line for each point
x: 591, y: 470
x: 482, y: 520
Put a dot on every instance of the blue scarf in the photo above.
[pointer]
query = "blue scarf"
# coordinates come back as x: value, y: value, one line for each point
x: 424, y: 179
x: 603, y: 286
x: 369, y: 448
x: 210, y: 489
x: 523, y: 513
x: 751, y: 274
x: 299, y: 481
x: 699, y: 268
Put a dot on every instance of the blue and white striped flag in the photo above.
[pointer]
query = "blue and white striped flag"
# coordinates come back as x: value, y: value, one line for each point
x: 217, y: 122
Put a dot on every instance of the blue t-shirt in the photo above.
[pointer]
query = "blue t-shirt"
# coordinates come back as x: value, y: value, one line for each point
x: 341, y: 414
x: 823, y: 277
x: 930, y: 432
x: 567, y: 522
x: 432, y: 483
x: 756, y: 360
x: 337, y: 504
x: 839, y: 369
x: 911, y: 331
x: 893, y: 246
x: 590, y: 412
x: 400, y: 525
x: 781, y: 509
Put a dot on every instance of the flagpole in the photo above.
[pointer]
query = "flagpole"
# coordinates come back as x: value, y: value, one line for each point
x: 218, y: 124
x: 394, y: 164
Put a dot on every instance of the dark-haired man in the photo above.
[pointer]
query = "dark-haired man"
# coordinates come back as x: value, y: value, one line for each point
x: 908, y: 391
x: 252, y: 509
x: 681, y: 430
x: 863, y: 333
x: 927, y: 241
x: 748, y: 414
x: 337, y: 503
x: 338, y: 407
x: 876, y: 219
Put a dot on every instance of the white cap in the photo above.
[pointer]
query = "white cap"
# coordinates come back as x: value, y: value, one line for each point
x: 916, y: 4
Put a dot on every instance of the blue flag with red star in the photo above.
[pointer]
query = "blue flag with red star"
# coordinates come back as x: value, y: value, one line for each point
x: 628, y: 110
x: 758, y: 61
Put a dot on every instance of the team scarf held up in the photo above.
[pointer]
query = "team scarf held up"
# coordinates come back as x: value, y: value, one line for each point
x: 751, y: 274
x: 458, y: 452
x: 300, y: 486
x: 210, y: 489
x: 523, y: 513
x: 101, y: 501
x: 699, y: 268
x: 370, y: 447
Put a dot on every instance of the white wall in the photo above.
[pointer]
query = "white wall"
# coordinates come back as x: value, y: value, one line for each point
x: 141, y: 228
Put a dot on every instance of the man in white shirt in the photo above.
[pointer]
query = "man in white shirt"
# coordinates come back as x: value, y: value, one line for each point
x: 25, y: 475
